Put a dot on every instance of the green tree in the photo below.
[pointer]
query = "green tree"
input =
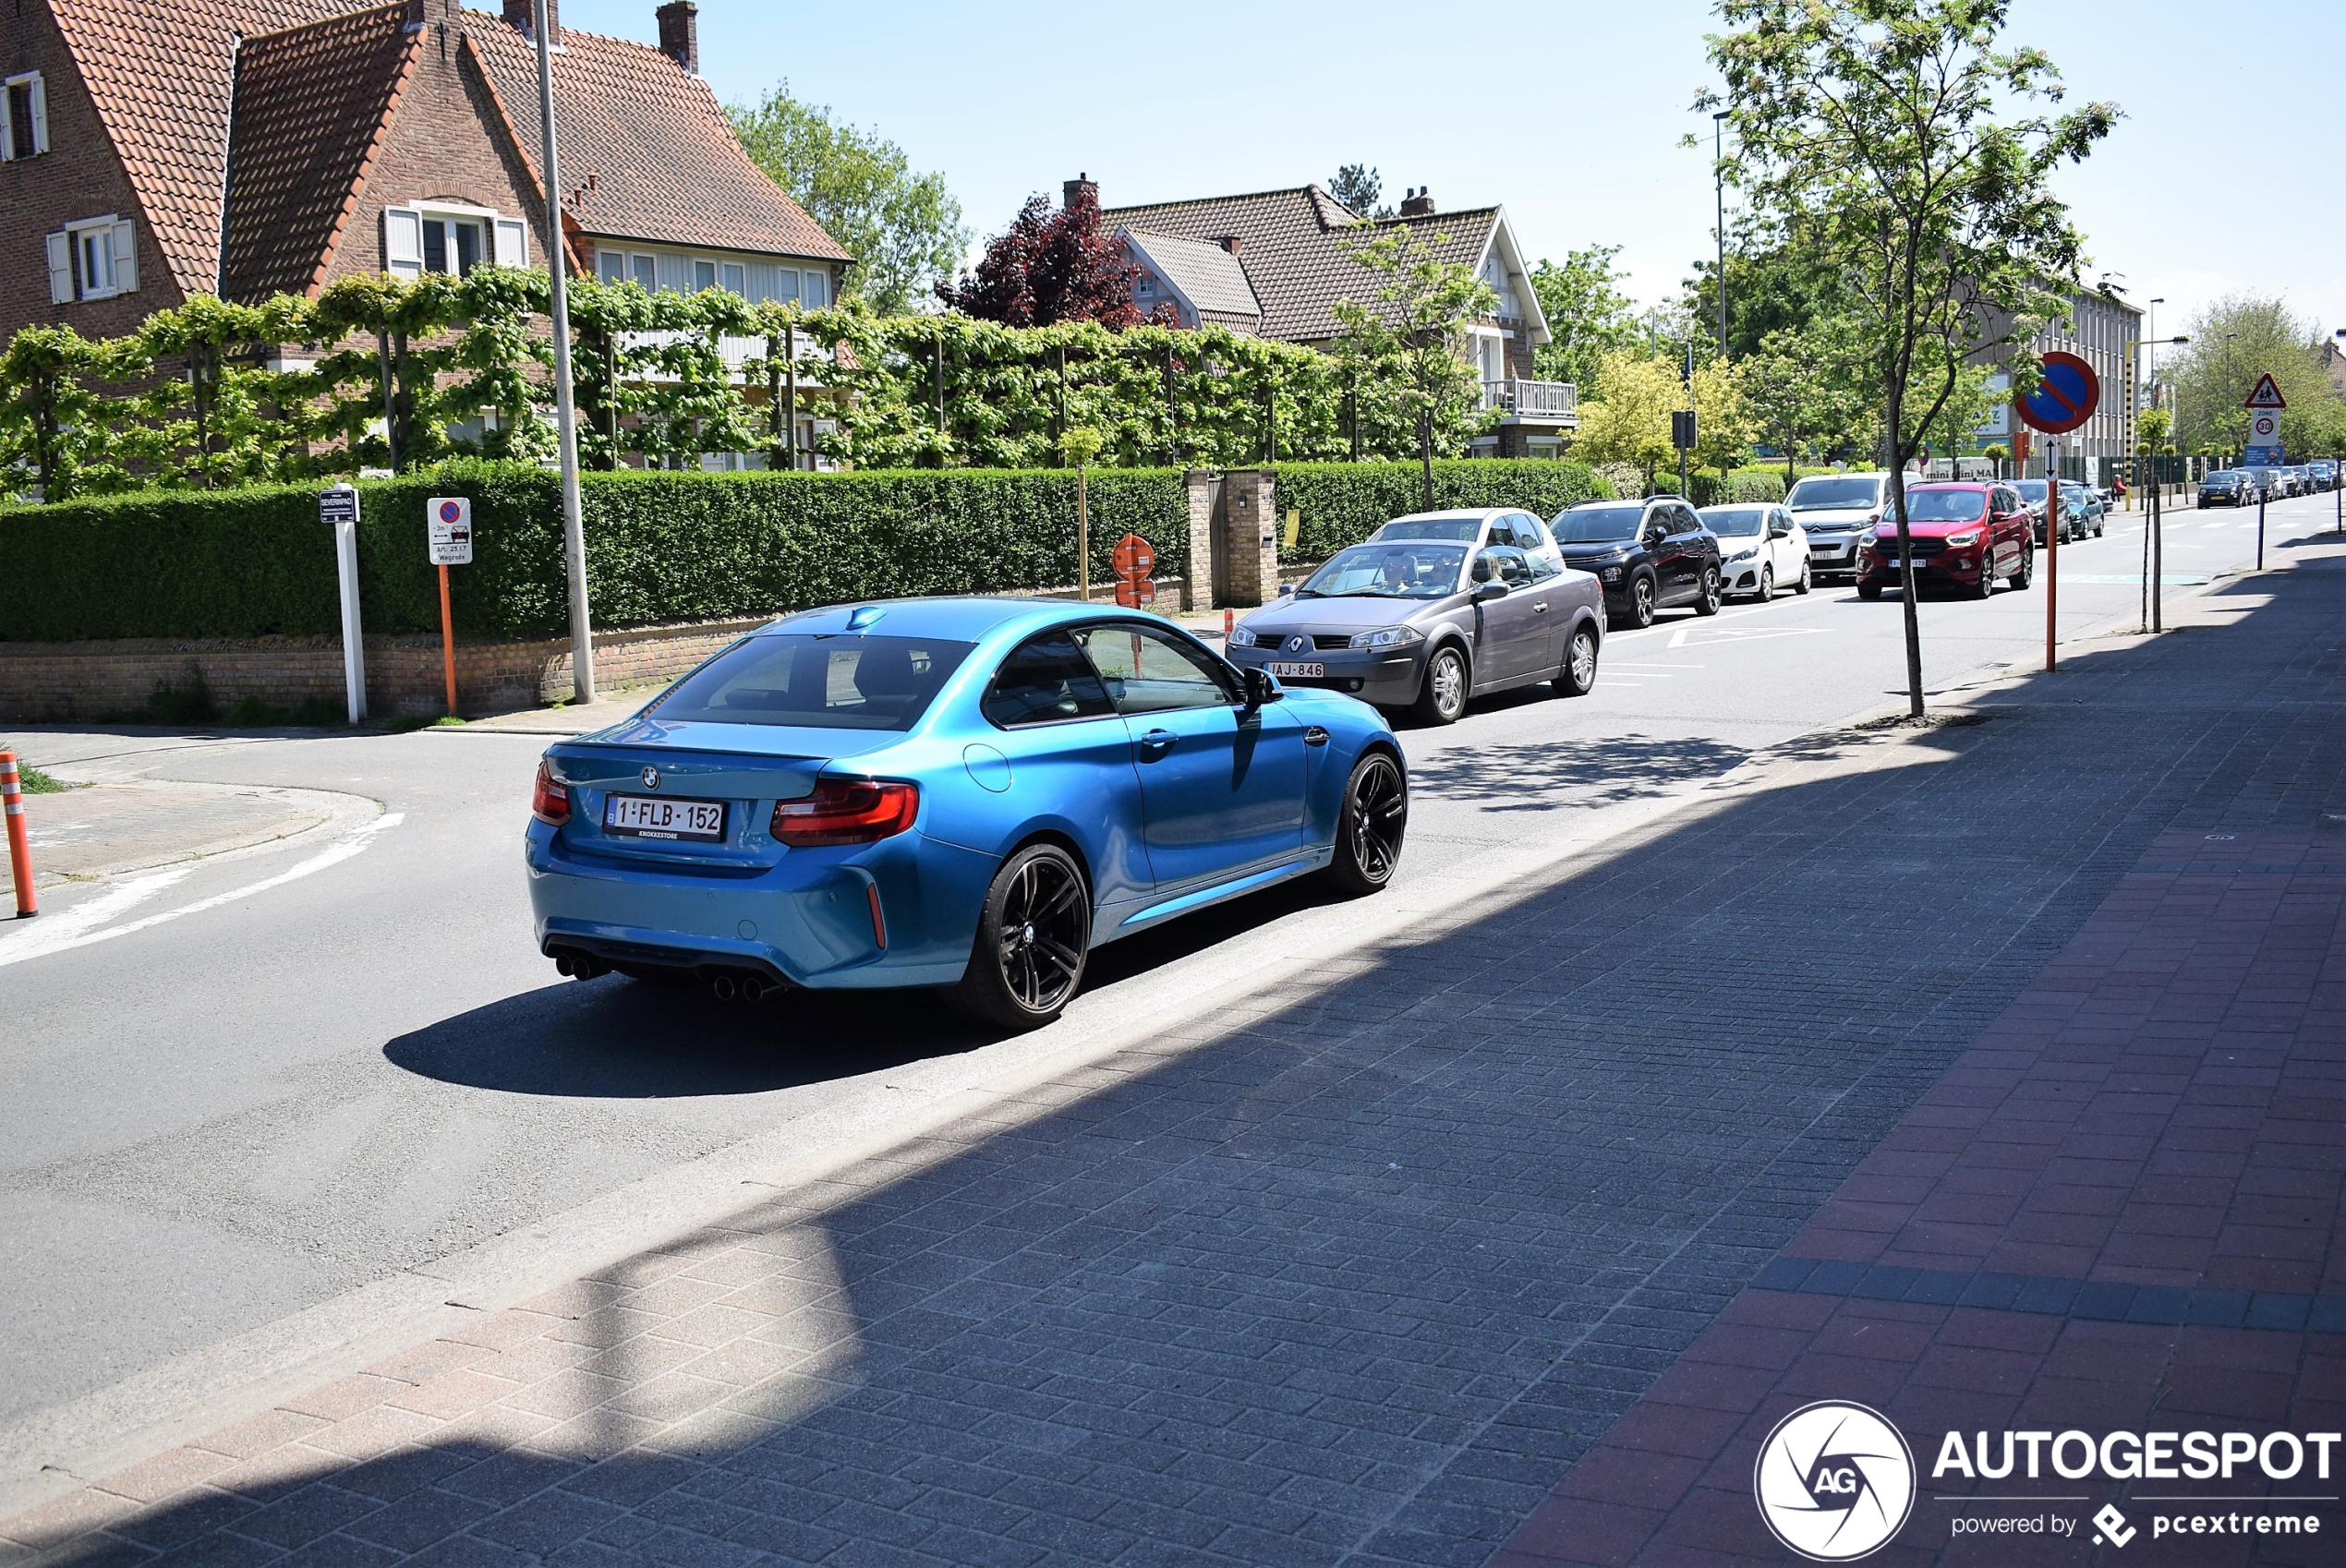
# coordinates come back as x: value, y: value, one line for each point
x: 1358, y: 186
x: 1904, y: 151
x: 2234, y: 342
x: 1807, y: 391
x: 904, y: 229
x: 1416, y: 323
x: 1627, y: 419
x: 1589, y: 316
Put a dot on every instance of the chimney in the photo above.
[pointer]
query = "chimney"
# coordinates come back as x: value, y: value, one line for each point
x: 447, y: 13
x: 1228, y: 242
x: 680, y: 33
x: 1419, y: 203
x: 1081, y: 184
x: 522, y: 15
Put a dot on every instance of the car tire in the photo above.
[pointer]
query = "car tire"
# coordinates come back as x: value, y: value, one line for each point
x: 1370, y: 827
x: 1807, y: 580
x: 1033, y: 935
x: 1641, y: 601
x: 1579, y: 672
x: 1869, y: 591
x: 2027, y: 572
x: 1706, y: 598
x: 1443, y: 698
x: 1767, y: 584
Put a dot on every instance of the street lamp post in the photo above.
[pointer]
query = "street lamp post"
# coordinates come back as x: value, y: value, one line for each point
x: 1719, y: 190
x: 582, y: 635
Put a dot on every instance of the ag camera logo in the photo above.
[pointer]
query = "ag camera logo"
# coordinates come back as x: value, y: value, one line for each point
x: 1834, y: 1481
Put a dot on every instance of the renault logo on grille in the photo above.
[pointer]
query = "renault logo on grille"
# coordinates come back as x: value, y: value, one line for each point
x: 1296, y: 644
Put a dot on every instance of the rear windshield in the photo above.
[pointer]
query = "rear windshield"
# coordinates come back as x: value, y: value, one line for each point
x: 1735, y: 522
x: 1945, y: 506
x: 1821, y: 495
x: 2031, y: 489
x: 822, y: 680
x: 1596, y: 524
x: 1466, y: 528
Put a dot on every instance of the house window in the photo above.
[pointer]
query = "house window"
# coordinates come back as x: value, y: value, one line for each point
x: 95, y: 259
x: 24, y: 117
x: 451, y: 240
x: 816, y: 292
x: 647, y: 271
x: 755, y: 280
x: 703, y: 276
x: 734, y: 280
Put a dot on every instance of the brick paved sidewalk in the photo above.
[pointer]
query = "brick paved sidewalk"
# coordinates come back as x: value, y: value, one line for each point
x: 1353, y: 1272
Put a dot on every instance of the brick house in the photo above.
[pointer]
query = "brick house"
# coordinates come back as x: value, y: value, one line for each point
x: 1274, y: 263
x: 160, y: 148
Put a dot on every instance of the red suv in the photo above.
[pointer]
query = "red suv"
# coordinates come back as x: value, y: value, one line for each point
x: 1965, y: 535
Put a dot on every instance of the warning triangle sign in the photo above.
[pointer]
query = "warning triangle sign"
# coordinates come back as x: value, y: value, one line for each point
x: 2266, y: 395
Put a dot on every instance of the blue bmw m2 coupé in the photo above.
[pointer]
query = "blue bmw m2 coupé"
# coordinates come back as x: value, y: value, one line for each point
x: 961, y: 792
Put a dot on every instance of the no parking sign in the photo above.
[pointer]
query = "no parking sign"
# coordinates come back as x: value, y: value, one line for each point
x: 449, y: 519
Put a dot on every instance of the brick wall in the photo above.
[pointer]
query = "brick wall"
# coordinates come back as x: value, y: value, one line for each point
x: 79, y: 177
x: 63, y: 681
x: 446, y: 142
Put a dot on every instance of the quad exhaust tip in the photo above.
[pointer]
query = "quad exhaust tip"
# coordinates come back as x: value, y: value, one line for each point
x: 741, y: 987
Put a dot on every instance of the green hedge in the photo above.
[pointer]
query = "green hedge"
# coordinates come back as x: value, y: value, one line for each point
x: 1345, y: 502
x: 661, y: 547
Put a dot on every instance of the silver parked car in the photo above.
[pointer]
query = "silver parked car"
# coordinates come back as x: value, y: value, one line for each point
x: 1477, y: 526
x: 1426, y: 625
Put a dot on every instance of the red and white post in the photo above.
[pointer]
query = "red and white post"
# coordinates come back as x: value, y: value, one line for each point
x: 20, y: 846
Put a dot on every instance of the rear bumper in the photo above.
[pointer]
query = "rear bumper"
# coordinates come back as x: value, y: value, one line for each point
x: 807, y: 920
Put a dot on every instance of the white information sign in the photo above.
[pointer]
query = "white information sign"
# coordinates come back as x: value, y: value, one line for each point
x: 450, y: 521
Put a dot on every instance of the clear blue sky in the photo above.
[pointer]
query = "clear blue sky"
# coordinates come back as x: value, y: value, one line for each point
x: 1569, y: 114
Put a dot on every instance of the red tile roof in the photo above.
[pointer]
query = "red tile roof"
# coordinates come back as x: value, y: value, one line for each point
x: 159, y: 73
x: 312, y: 103
x: 666, y: 163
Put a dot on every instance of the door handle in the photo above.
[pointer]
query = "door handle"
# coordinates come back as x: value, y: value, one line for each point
x: 1315, y: 736
x: 1538, y: 607
x: 1158, y: 740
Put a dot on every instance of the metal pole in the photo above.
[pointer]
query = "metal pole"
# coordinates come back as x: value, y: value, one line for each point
x: 582, y: 634
x: 2158, y: 560
x: 354, y: 644
x: 2260, y: 528
x: 2053, y: 541
x: 1719, y: 186
x: 447, y: 643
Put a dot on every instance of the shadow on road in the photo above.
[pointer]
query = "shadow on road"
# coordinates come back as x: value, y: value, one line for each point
x: 1542, y: 775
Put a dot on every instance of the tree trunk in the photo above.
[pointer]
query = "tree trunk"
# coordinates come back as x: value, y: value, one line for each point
x: 1425, y: 454
x: 1907, y: 609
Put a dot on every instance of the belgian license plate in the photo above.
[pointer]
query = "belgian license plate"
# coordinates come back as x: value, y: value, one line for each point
x: 1297, y: 671
x: 645, y: 817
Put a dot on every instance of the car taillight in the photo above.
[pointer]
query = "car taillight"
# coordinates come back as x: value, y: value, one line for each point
x: 846, y: 811
x: 550, y: 803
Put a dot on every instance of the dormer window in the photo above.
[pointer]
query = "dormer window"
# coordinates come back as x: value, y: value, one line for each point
x: 24, y: 117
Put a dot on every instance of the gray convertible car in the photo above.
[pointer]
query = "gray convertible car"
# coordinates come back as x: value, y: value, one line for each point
x: 1426, y: 625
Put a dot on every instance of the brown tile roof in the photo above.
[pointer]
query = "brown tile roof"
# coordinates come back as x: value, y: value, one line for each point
x: 311, y: 106
x: 666, y: 163
x: 1295, y: 248
x: 159, y: 73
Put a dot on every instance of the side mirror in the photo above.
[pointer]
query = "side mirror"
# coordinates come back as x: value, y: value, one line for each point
x: 1286, y: 588
x: 1262, y: 687
x: 1493, y: 589
x: 1779, y: 530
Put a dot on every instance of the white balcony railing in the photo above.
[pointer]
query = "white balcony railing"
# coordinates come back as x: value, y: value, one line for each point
x: 1543, y: 400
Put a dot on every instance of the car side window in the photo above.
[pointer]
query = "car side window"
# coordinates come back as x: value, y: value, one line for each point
x: 1046, y: 679
x: 1542, y: 567
x: 1683, y: 520
x: 1506, y: 565
x: 1147, y: 670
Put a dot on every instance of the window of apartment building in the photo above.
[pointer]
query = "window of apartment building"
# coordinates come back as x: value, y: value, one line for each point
x: 24, y: 116
x: 452, y: 239
x: 753, y: 281
x: 95, y: 259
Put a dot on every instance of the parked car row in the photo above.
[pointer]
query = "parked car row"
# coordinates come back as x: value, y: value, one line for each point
x: 2251, y: 487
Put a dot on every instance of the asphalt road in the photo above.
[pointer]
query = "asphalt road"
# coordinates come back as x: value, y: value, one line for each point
x: 241, y: 1087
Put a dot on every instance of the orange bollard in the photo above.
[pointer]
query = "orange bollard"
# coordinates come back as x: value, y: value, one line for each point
x: 19, y: 849
x: 1228, y: 621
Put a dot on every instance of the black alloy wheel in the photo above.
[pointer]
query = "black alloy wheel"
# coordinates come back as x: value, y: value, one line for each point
x: 1369, y: 834
x: 1706, y: 602
x: 1033, y: 937
x: 1443, y: 698
x: 1641, y: 602
x: 1580, y: 671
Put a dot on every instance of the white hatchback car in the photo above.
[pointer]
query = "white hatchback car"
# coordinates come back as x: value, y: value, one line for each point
x: 1762, y: 548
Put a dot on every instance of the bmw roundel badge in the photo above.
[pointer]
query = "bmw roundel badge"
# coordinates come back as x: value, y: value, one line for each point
x: 651, y: 778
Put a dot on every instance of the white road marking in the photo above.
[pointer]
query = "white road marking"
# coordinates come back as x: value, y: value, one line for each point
x: 75, y: 927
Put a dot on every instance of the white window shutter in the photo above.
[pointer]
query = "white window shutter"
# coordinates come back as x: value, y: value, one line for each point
x: 7, y: 127
x: 60, y: 268
x: 126, y: 258
x: 403, y: 242
x: 40, y: 115
x: 512, y: 242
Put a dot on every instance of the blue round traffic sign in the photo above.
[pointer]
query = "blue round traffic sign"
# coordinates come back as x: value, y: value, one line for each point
x: 2064, y: 399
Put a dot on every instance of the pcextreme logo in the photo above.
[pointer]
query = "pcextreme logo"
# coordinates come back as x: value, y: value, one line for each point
x: 1834, y: 1481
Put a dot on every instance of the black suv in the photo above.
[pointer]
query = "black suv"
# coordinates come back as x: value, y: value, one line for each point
x: 1648, y: 554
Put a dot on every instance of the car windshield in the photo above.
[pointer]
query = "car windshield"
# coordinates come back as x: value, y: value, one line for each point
x: 2031, y: 489
x: 2221, y: 477
x: 1824, y: 495
x: 822, y: 680
x: 1945, y: 506
x: 1735, y: 522
x: 1465, y: 529
x: 1397, y: 571
x: 1596, y: 524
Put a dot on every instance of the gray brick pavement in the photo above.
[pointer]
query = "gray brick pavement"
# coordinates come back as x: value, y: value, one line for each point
x: 1352, y: 1275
